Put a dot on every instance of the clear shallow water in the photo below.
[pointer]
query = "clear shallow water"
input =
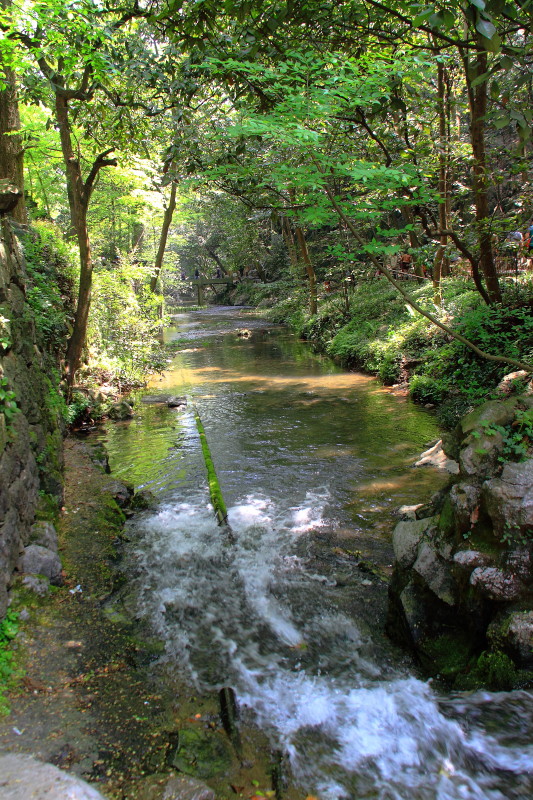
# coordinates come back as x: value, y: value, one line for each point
x: 312, y: 462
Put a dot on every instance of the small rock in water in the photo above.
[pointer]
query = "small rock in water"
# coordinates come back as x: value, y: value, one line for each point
x: 177, y: 402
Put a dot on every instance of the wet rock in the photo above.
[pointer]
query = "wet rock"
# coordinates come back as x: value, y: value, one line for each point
x: 23, y: 777
x: 436, y: 457
x: 175, y: 787
x: 435, y: 572
x: 464, y: 498
x: 40, y: 586
x: 37, y: 560
x: 201, y: 754
x: 408, y: 512
x: 121, y: 492
x: 519, y: 561
x: 496, y: 584
x: 509, y: 499
x: 470, y: 559
x: 480, y: 455
x: 142, y: 500
x: 44, y: 534
x: 513, y: 633
x: 414, y: 609
x: 406, y: 539
x: 177, y: 402
x: 120, y: 411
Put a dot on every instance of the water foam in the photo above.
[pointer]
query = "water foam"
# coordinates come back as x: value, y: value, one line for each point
x: 244, y: 615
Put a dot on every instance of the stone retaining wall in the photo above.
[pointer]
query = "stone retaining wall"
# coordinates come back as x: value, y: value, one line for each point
x: 31, y: 438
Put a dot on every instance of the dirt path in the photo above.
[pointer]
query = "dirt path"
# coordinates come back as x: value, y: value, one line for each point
x: 93, y: 701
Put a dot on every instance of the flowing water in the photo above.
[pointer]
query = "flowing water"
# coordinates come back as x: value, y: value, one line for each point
x: 313, y: 462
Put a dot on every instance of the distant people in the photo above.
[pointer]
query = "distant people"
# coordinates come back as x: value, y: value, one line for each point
x: 183, y: 276
x: 196, y: 274
x: 327, y: 286
x: 218, y: 273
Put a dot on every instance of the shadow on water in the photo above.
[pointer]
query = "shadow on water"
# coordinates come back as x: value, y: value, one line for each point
x: 313, y: 462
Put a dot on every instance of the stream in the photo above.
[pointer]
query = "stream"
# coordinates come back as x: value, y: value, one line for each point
x: 313, y: 464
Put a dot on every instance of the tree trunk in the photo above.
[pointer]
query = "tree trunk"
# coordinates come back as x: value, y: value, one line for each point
x: 289, y: 243
x: 306, y: 259
x: 78, y: 214
x: 313, y: 304
x: 477, y: 98
x: 167, y: 220
x: 11, y: 150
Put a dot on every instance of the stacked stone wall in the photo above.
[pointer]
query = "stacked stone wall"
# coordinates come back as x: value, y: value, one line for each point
x: 31, y: 437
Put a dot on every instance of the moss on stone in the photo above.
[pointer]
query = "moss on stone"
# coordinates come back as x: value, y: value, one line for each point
x: 446, y: 525
x: 493, y: 670
x: 449, y: 654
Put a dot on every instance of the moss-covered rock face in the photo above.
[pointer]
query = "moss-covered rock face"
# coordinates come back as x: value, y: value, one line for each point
x: 461, y: 594
x: 31, y: 422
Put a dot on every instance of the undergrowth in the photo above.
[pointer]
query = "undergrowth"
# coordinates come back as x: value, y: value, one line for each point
x: 8, y: 631
x: 379, y: 333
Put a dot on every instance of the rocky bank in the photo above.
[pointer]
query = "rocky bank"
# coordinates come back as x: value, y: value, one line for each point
x: 461, y: 594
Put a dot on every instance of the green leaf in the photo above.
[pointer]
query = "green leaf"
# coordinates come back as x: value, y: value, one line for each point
x: 423, y: 15
x: 485, y: 28
x: 478, y: 4
x: 501, y: 121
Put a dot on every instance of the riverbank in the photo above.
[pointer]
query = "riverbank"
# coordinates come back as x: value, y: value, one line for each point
x: 369, y: 327
x: 92, y: 698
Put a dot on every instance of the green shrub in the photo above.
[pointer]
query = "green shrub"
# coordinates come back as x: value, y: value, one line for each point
x: 8, y: 631
x: 424, y: 389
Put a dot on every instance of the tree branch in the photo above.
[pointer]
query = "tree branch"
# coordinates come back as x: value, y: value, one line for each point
x: 488, y: 356
x: 99, y: 162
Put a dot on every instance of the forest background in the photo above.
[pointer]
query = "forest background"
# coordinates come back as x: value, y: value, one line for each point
x: 305, y: 146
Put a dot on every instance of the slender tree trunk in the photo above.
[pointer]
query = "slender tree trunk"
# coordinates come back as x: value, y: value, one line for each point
x: 477, y: 98
x: 289, y: 243
x: 306, y: 259
x: 78, y: 214
x: 167, y: 220
x: 11, y: 149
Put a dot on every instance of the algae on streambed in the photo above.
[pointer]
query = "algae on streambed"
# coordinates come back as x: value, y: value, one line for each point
x: 94, y: 699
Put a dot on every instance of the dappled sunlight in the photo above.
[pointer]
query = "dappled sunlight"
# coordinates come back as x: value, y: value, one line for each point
x: 317, y: 384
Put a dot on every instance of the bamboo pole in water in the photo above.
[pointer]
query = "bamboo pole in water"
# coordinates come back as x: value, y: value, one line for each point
x: 215, y: 491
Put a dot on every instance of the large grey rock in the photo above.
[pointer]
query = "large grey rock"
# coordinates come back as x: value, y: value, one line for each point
x: 406, y: 539
x: 492, y: 413
x: 415, y: 611
x: 44, y: 534
x: 497, y: 584
x: 435, y: 572
x: 37, y: 560
x: 509, y: 499
x: 464, y: 498
x: 24, y: 778
x: 480, y: 454
x: 519, y: 561
x: 468, y: 560
x: 514, y: 635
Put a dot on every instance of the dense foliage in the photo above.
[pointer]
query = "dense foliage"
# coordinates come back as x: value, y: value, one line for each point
x: 304, y: 145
